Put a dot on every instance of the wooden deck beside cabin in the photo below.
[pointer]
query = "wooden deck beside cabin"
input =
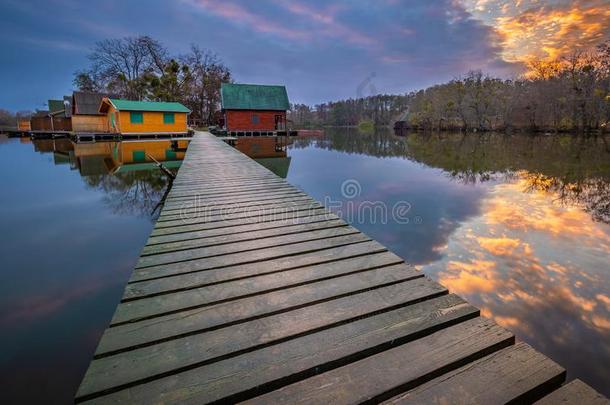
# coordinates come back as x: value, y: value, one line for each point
x: 249, y: 290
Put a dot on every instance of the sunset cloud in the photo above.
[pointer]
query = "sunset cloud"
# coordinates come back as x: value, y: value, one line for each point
x: 545, y: 30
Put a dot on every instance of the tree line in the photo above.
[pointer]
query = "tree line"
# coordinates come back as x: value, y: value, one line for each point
x: 570, y: 94
x: 141, y: 68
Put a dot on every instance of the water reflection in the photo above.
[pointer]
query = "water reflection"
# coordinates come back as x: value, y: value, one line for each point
x: 124, y: 171
x: 74, y: 219
x: 269, y: 151
x: 517, y: 224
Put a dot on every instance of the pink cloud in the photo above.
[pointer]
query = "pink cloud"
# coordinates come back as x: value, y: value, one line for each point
x: 257, y: 22
x: 326, y: 18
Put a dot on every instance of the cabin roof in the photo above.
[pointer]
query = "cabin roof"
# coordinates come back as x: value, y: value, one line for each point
x: 87, y: 103
x: 254, y: 97
x: 157, y: 106
x: 56, y: 106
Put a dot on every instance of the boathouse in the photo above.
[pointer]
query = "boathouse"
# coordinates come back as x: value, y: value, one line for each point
x: 54, y: 120
x: 254, y: 108
x: 127, y: 117
x: 86, y: 116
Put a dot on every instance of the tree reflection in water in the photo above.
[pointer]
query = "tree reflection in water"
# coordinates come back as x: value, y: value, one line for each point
x: 575, y: 170
x: 131, y: 182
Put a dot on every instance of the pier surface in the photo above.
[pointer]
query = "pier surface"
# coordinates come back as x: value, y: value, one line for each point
x: 249, y: 290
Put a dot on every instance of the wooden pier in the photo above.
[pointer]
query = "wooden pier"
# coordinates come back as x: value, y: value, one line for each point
x: 249, y: 290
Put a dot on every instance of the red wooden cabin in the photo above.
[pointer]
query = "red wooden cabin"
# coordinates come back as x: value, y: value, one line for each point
x: 254, y: 108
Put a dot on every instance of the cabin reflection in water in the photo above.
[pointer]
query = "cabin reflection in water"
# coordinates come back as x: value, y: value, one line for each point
x: 269, y: 151
x: 100, y: 158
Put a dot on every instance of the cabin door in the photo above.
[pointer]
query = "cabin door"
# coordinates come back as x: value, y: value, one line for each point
x: 280, y: 125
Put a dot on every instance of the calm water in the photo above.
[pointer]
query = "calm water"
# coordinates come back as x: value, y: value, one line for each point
x: 517, y: 225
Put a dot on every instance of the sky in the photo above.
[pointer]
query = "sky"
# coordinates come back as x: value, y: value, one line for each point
x: 321, y: 50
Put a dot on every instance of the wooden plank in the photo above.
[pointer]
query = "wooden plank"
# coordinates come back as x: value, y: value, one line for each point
x: 197, y: 204
x: 266, y: 281
x: 199, y: 321
x: 255, y: 232
x: 259, y: 255
x: 575, y: 392
x: 161, y: 305
x: 217, y: 207
x: 195, y: 350
x: 517, y: 374
x: 234, y: 228
x: 281, y: 211
x: 230, y: 209
x: 244, y: 246
x: 284, y: 336
x: 334, y: 259
x: 242, y: 220
x: 233, y: 193
x: 388, y: 373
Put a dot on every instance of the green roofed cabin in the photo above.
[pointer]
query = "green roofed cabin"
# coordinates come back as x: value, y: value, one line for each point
x: 254, y: 107
x: 129, y: 117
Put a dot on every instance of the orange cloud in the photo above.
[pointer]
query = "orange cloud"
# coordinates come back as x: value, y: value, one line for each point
x: 498, y: 246
x: 543, y: 30
x: 551, y: 32
x: 461, y: 277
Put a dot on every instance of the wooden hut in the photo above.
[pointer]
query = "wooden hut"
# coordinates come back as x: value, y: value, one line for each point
x: 253, y: 107
x: 53, y: 120
x: 128, y: 117
x: 24, y: 125
x: 86, y: 116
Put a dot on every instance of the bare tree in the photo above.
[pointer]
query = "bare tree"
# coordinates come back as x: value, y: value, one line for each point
x: 207, y: 73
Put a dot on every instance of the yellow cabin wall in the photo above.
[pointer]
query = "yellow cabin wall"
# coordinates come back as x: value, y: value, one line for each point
x: 24, y: 125
x: 90, y: 123
x: 153, y: 122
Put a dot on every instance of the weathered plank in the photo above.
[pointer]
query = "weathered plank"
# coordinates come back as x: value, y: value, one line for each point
x: 266, y: 281
x: 385, y: 374
x: 244, y: 246
x: 399, y: 359
x: 233, y: 228
x: 196, y: 350
x: 280, y: 211
x: 517, y: 374
x: 333, y: 259
x: 291, y: 215
x: 161, y: 305
x: 575, y: 392
x: 247, y: 234
x: 272, y: 200
x: 191, y: 266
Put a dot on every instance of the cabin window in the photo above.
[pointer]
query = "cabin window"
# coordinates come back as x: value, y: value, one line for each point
x: 136, y: 117
x: 255, y: 119
x: 139, y: 156
x: 168, y: 118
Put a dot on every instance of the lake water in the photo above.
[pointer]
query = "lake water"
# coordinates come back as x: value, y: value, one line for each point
x: 517, y: 225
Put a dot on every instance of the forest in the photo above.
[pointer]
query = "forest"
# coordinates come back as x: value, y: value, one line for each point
x: 570, y: 94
